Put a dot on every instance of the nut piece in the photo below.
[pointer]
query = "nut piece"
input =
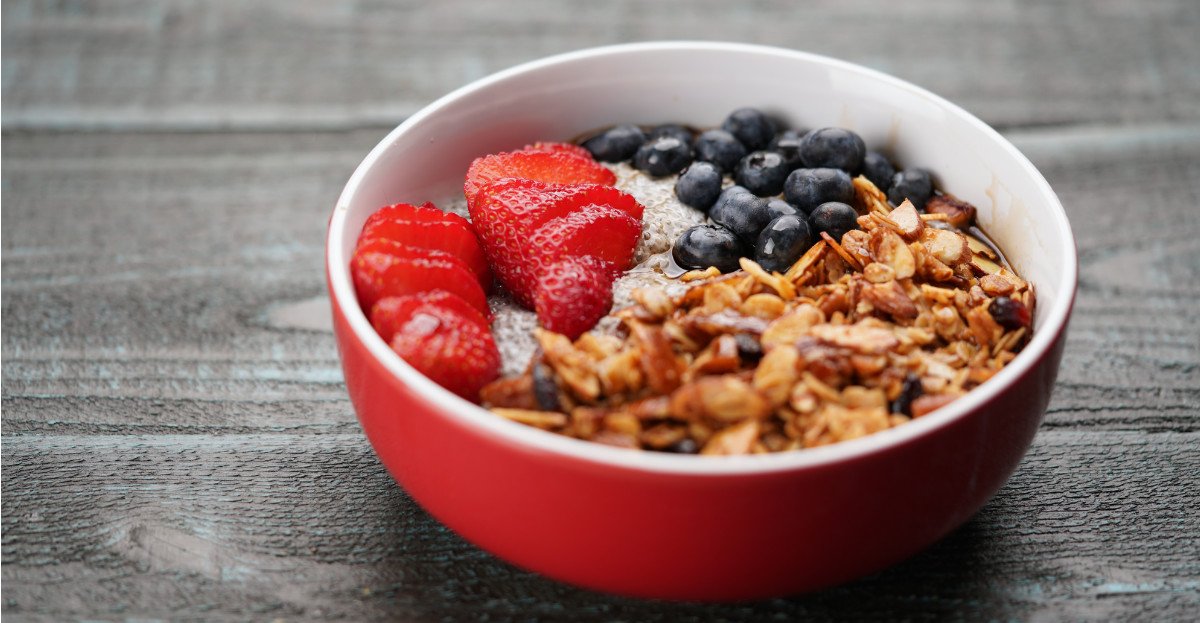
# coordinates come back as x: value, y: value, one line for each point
x: 887, y: 247
x: 573, y: 366
x: 859, y: 337
x: 737, y: 439
x: 792, y: 326
x: 662, y: 370
x: 891, y: 299
x: 547, y: 420
x: 924, y: 404
x: 776, y: 374
x: 996, y: 285
x: 948, y: 247
x: 958, y: 213
x: 722, y: 398
x: 907, y: 221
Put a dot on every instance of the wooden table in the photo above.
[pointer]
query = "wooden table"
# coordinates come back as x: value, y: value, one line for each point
x: 177, y: 442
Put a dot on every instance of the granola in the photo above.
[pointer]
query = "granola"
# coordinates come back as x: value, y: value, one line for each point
x: 861, y: 334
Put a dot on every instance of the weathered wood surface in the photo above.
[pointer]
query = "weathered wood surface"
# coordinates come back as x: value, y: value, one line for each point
x: 176, y: 440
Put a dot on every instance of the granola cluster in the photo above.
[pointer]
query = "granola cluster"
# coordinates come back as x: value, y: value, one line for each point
x: 893, y: 321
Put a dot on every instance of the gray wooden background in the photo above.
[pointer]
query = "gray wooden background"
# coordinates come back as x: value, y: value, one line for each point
x: 177, y: 443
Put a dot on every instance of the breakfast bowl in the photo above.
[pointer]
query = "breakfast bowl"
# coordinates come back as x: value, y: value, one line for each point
x: 694, y: 527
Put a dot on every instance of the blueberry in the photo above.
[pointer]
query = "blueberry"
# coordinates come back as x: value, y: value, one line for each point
x: 702, y: 246
x: 699, y: 185
x: 909, y: 391
x: 787, y: 144
x: 741, y: 212
x: 835, y: 148
x: 877, y: 169
x: 808, y: 188
x: 782, y: 242
x: 778, y: 207
x: 834, y: 218
x: 912, y: 184
x: 662, y: 156
x: 673, y: 130
x: 616, y: 144
x: 720, y: 148
x: 762, y: 173
x: 753, y: 128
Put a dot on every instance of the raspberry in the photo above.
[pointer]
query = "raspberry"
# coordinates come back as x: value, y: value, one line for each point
x: 442, y: 340
x: 379, y: 275
x: 573, y: 293
x: 389, y: 314
x: 429, y: 228
x: 559, y: 166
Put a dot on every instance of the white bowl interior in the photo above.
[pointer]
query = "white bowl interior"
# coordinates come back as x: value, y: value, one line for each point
x: 559, y: 98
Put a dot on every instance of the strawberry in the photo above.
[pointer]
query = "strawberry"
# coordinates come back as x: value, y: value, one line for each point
x: 558, y: 166
x: 441, y: 340
x: 600, y: 230
x: 508, y: 213
x: 429, y: 228
x: 389, y: 314
x: 573, y: 293
x: 379, y: 275
x: 567, y: 147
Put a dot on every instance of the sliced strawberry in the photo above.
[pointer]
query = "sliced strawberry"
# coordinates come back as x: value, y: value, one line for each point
x: 562, y: 167
x: 573, y: 293
x: 380, y: 275
x: 444, y: 344
x: 389, y: 314
x: 406, y: 212
x: 452, y: 234
x: 567, y: 147
x: 399, y: 249
x: 599, y: 230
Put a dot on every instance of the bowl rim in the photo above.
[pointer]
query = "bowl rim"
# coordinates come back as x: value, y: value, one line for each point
x: 533, y: 439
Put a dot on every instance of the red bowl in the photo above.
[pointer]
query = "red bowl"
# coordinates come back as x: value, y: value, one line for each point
x: 687, y: 527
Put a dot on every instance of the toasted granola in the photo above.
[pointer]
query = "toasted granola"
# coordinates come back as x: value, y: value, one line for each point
x: 861, y: 334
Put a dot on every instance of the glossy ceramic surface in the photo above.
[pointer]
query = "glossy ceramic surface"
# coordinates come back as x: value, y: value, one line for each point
x: 685, y: 527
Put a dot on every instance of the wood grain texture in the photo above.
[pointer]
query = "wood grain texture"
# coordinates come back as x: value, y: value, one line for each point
x: 177, y: 443
x: 283, y: 63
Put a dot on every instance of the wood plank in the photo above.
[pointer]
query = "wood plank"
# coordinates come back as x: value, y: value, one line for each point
x: 289, y: 64
x: 1094, y: 525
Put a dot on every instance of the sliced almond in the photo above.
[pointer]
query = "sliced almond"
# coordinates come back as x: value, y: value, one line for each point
x: 948, y: 247
x: 979, y: 247
x: 983, y: 266
x: 959, y: 213
x: 907, y: 220
x: 887, y: 247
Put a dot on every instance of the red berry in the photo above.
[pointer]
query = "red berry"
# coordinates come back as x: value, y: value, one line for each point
x: 1009, y: 313
x: 450, y: 233
x: 379, y: 275
x: 389, y: 314
x: 441, y: 342
x: 573, y: 293
x: 562, y: 167
x: 567, y: 147
x: 599, y: 230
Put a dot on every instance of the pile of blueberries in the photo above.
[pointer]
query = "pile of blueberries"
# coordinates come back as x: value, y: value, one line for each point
x: 788, y: 186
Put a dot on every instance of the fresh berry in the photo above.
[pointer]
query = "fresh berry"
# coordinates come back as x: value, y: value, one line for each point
x: 834, y: 218
x: 909, y: 391
x: 389, y: 314
x: 380, y: 275
x: 912, y: 184
x: 808, y: 188
x: 778, y: 207
x: 573, y: 293
x: 602, y: 231
x: 565, y: 147
x: 616, y: 144
x: 663, y: 156
x: 1009, y: 313
x: 762, y: 173
x: 787, y: 144
x: 702, y: 246
x: 782, y: 242
x: 877, y: 169
x: 753, y: 128
x: 834, y: 148
x: 559, y: 167
x: 673, y: 130
x: 741, y: 212
x: 445, y: 232
x: 441, y: 342
x: 720, y: 148
x: 699, y: 185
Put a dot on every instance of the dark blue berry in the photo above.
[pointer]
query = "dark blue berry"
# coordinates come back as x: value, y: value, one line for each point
x: 616, y: 144
x: 699, y: 185
x: 834, y: 218
x: 741, y: 212
x: 720, y: 148
x: 877, y: 169
x: 909, y: 391
x: 673, y: 130
x: 912, y: 184
x: 702, y: 246
x: 778, y: 207
x: 762, y: 173
x: 808, y: 188
x: 787, y: 144
x: 753, y: 128
x: 835, y: 148
x: 782, y: 242
x: 662, y: 156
